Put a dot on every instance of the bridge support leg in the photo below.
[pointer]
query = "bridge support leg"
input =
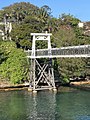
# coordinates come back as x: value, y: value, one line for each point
x: 51, y: 75
x: 32, y: 84
x: 42, y: 76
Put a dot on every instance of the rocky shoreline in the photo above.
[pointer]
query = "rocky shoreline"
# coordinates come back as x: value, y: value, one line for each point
x: 7, y: 86
x: 85, y: 85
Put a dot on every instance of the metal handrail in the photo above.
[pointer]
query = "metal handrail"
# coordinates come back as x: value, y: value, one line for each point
x: 70, y: 51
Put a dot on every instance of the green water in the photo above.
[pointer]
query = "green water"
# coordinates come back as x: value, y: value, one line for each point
x: 22, y: 105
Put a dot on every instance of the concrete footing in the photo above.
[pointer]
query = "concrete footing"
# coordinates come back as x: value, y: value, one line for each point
x: 29, y: 89
x: 34, y: 91
x: 54, y: 89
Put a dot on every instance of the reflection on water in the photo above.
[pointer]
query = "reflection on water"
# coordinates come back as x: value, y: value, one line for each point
x: 43, y: 106
x: 22, y: 105
x: 46, y: 105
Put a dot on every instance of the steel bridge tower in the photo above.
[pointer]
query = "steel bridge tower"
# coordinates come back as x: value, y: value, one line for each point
x: 41, y: 76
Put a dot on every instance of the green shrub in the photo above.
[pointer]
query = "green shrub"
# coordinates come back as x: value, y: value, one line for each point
x: 14, y: 68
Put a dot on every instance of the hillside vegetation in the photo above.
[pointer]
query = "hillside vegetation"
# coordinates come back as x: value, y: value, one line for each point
x: 27, y: 18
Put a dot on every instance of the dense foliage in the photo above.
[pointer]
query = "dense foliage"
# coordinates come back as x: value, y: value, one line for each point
x: 27, y: 18
x: 14, y: 66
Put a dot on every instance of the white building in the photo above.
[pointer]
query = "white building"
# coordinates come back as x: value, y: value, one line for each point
x: 2, y: 34
x: 8, y: 28
x: 81, y: 24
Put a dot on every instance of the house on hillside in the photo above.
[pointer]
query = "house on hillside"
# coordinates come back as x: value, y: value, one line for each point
x: 1, y: 30
x: 86, y: 27
x: 5, y: 32
x: 2, y: 34
x: 81, y: 24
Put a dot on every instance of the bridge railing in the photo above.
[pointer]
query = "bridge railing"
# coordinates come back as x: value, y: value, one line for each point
x: 75, y: 50
x: 71, y: 51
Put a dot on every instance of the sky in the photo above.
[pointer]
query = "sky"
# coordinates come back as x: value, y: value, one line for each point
x: 78, y: 8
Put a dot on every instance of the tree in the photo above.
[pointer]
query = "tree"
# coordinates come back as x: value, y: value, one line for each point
x: 18, y: 11
x: 15, y: 67
x: 68, y: 19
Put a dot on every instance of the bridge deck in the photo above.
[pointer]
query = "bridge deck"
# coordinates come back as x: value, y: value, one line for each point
x: 71, y: 51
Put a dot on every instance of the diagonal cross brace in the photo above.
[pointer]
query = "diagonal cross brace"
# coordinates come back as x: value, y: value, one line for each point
x: 42, y: 72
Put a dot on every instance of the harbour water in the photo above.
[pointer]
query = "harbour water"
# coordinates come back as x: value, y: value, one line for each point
x: 68, y: 104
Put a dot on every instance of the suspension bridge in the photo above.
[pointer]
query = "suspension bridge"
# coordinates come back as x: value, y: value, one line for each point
x: 42, y: 76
